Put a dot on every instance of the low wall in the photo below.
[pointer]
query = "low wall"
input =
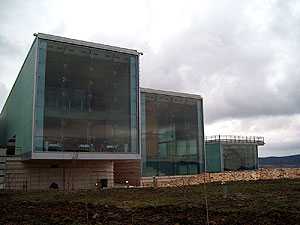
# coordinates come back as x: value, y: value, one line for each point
x: 261, y: 174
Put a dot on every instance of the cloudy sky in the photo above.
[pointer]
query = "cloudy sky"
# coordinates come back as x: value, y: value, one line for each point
x: 243, y: 57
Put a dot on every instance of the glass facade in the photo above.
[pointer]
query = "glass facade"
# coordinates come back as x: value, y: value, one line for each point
x: 170, y: 135
x: 239, y: 157
x: 16, y: 115
x: 213, y: 157
x: 86, y: 99
x: 231, y: 157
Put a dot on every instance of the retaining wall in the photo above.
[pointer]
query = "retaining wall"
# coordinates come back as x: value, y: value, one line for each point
x: 261, y: 174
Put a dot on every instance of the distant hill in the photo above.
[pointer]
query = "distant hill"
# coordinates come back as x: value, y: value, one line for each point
x: 292, y: 161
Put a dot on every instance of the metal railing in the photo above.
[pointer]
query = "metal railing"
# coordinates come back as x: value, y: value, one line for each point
x: 235, y: 139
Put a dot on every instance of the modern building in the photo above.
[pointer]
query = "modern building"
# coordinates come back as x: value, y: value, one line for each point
x: 76, y: 116
x: 172, y: 133
x: 74, y: 109
x: 232, y: 153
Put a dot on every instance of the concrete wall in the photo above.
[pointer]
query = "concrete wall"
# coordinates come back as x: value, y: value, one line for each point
x: 127, y: 170
x: 39, y: 174
x: 2, y: 166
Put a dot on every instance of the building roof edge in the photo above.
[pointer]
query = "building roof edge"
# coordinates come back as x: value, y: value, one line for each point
x: 171, y: 93
x: 86, y: 43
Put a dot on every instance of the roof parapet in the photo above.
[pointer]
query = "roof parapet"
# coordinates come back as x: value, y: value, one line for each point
x: 169, y: 93
x: 235, y: 139
x: 86, y: 43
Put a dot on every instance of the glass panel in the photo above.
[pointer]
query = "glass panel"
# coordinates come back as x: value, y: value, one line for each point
x: 171, y: 140
x: 162, y: 150
x: 17, y: 113
x: 239, y: 157
x: 201, y: 141
x: 75, y: 134
x: 134, y: 104
x: 192, y: 147
x: 181, y: 148
x: 143, y: 131
x: 213, y: 158
x: 89, y: 105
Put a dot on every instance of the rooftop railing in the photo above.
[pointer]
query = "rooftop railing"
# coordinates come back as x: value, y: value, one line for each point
x: 235, y: 139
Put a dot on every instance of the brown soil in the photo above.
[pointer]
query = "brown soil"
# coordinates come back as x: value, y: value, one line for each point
x: 259, y: 202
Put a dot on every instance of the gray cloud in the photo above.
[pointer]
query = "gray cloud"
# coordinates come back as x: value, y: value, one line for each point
x: 242, y: 69
x: 10, y: 54
x: 280, y: 149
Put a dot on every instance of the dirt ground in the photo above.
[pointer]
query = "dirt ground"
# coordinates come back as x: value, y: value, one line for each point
x: 253, y: 202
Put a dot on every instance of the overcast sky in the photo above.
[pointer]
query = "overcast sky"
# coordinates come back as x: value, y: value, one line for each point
x: 243, y: 57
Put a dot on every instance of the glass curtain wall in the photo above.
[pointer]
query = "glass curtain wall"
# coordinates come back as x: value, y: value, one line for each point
x: 169, y: 135
x: 88, y: 100
x: 16, y: 115
x: 213, y: 157
x: 239, y: 157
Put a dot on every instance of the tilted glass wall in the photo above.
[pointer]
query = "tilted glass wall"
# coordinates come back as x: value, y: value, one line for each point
x: 16, y: 115
x: 86, y: 99
x: 239, y: 157
x: 170, y: 135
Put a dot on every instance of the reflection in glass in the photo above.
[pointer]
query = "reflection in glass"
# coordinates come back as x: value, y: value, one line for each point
x: 239, y: 157
x: 87, y: 100
x: 171, y: 140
